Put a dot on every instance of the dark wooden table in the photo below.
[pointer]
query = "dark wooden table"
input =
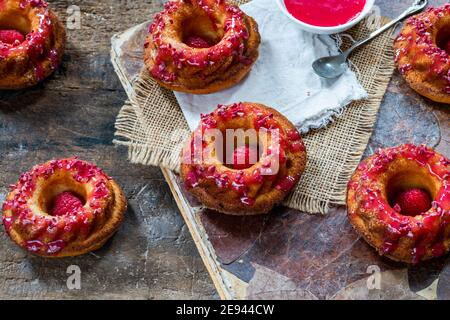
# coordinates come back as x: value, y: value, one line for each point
x: 73, y: 113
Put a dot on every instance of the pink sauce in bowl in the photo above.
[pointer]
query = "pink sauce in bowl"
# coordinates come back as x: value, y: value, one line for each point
x: 326, y: 16
x: 325, y: 13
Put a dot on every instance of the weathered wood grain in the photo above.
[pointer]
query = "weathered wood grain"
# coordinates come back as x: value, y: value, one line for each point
x: 73, y: 113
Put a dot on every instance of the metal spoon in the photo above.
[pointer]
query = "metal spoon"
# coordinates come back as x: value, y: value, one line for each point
x: 334, y: 66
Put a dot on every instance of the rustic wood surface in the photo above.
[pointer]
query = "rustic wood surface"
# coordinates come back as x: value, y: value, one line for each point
x: 152, y: 255
x: 73, y: 113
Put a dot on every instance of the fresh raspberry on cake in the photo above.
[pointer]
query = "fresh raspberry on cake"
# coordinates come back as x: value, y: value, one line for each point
x: 197, y: 42
x: 66, y: 203
x: 11, y: 37
x: 244, y: 157
x: 413, y: 202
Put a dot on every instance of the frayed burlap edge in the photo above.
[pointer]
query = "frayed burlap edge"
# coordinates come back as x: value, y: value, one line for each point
x: 132, y: 119
x: 364, y: 131
x: 138, y: 122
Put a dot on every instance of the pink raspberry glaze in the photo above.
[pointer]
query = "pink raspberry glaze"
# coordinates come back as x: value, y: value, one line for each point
x: 49, y: 234
x: 34, y: 45
x: 239, y: 180
x: 419, y: 41
x: 232, y: 43
x: 425, y: 233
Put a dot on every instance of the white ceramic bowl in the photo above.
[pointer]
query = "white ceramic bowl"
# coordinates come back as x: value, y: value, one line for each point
x: 327, y: 30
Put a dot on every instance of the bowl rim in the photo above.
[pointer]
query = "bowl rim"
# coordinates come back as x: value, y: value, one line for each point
x: 367, y: 8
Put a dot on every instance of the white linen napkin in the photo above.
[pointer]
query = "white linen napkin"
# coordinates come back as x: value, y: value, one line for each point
x: 282, y: 77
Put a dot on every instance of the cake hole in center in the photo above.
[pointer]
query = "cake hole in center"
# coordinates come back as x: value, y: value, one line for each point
x: 412, y: 202
x: 200, y: 32
x: 14, y: 29
x: 410, y: 193
x: 443, y: 39
x: 240, y: 154
x: 244, y: 157
x: 66, y: 202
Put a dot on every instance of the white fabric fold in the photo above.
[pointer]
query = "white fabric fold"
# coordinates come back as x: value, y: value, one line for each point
x: 282, y: 77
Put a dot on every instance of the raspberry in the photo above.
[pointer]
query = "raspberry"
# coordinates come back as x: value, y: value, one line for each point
x: 244, y: 157
x: 197, y: 42
x: 413, y: 202
x: 66, y: 203
x: 11, y: 37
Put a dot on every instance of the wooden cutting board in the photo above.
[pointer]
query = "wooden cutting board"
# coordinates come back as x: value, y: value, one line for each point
x: 292, y: 255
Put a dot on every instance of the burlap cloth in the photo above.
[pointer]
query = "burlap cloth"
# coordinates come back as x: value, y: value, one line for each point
x: 153, y: 128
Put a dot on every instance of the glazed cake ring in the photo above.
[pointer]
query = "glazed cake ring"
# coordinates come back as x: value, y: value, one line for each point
x: 35, y: 46
x: 373, y: 214
x: 201, y: 46
x: 256, y: 187
x: 83, y: 222
x: 422, y: 53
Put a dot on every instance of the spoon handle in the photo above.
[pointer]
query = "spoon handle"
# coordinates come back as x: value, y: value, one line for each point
x: 418, y: 6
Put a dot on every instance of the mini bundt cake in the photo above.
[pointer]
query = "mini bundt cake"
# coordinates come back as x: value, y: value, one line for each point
x: 63, y: 208
x: 201, y: 46
x: 422, y: 53
x: 32, y: 42
x: 248, y: 177
x: 399, y: 201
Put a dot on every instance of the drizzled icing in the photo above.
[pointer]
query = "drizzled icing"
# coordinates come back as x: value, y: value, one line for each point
x: 426, y: 232
x: 417, y: 40
x: 242, y: 182
x: 171, y: 57
x: 50, y: 234
x: 35, y: 45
